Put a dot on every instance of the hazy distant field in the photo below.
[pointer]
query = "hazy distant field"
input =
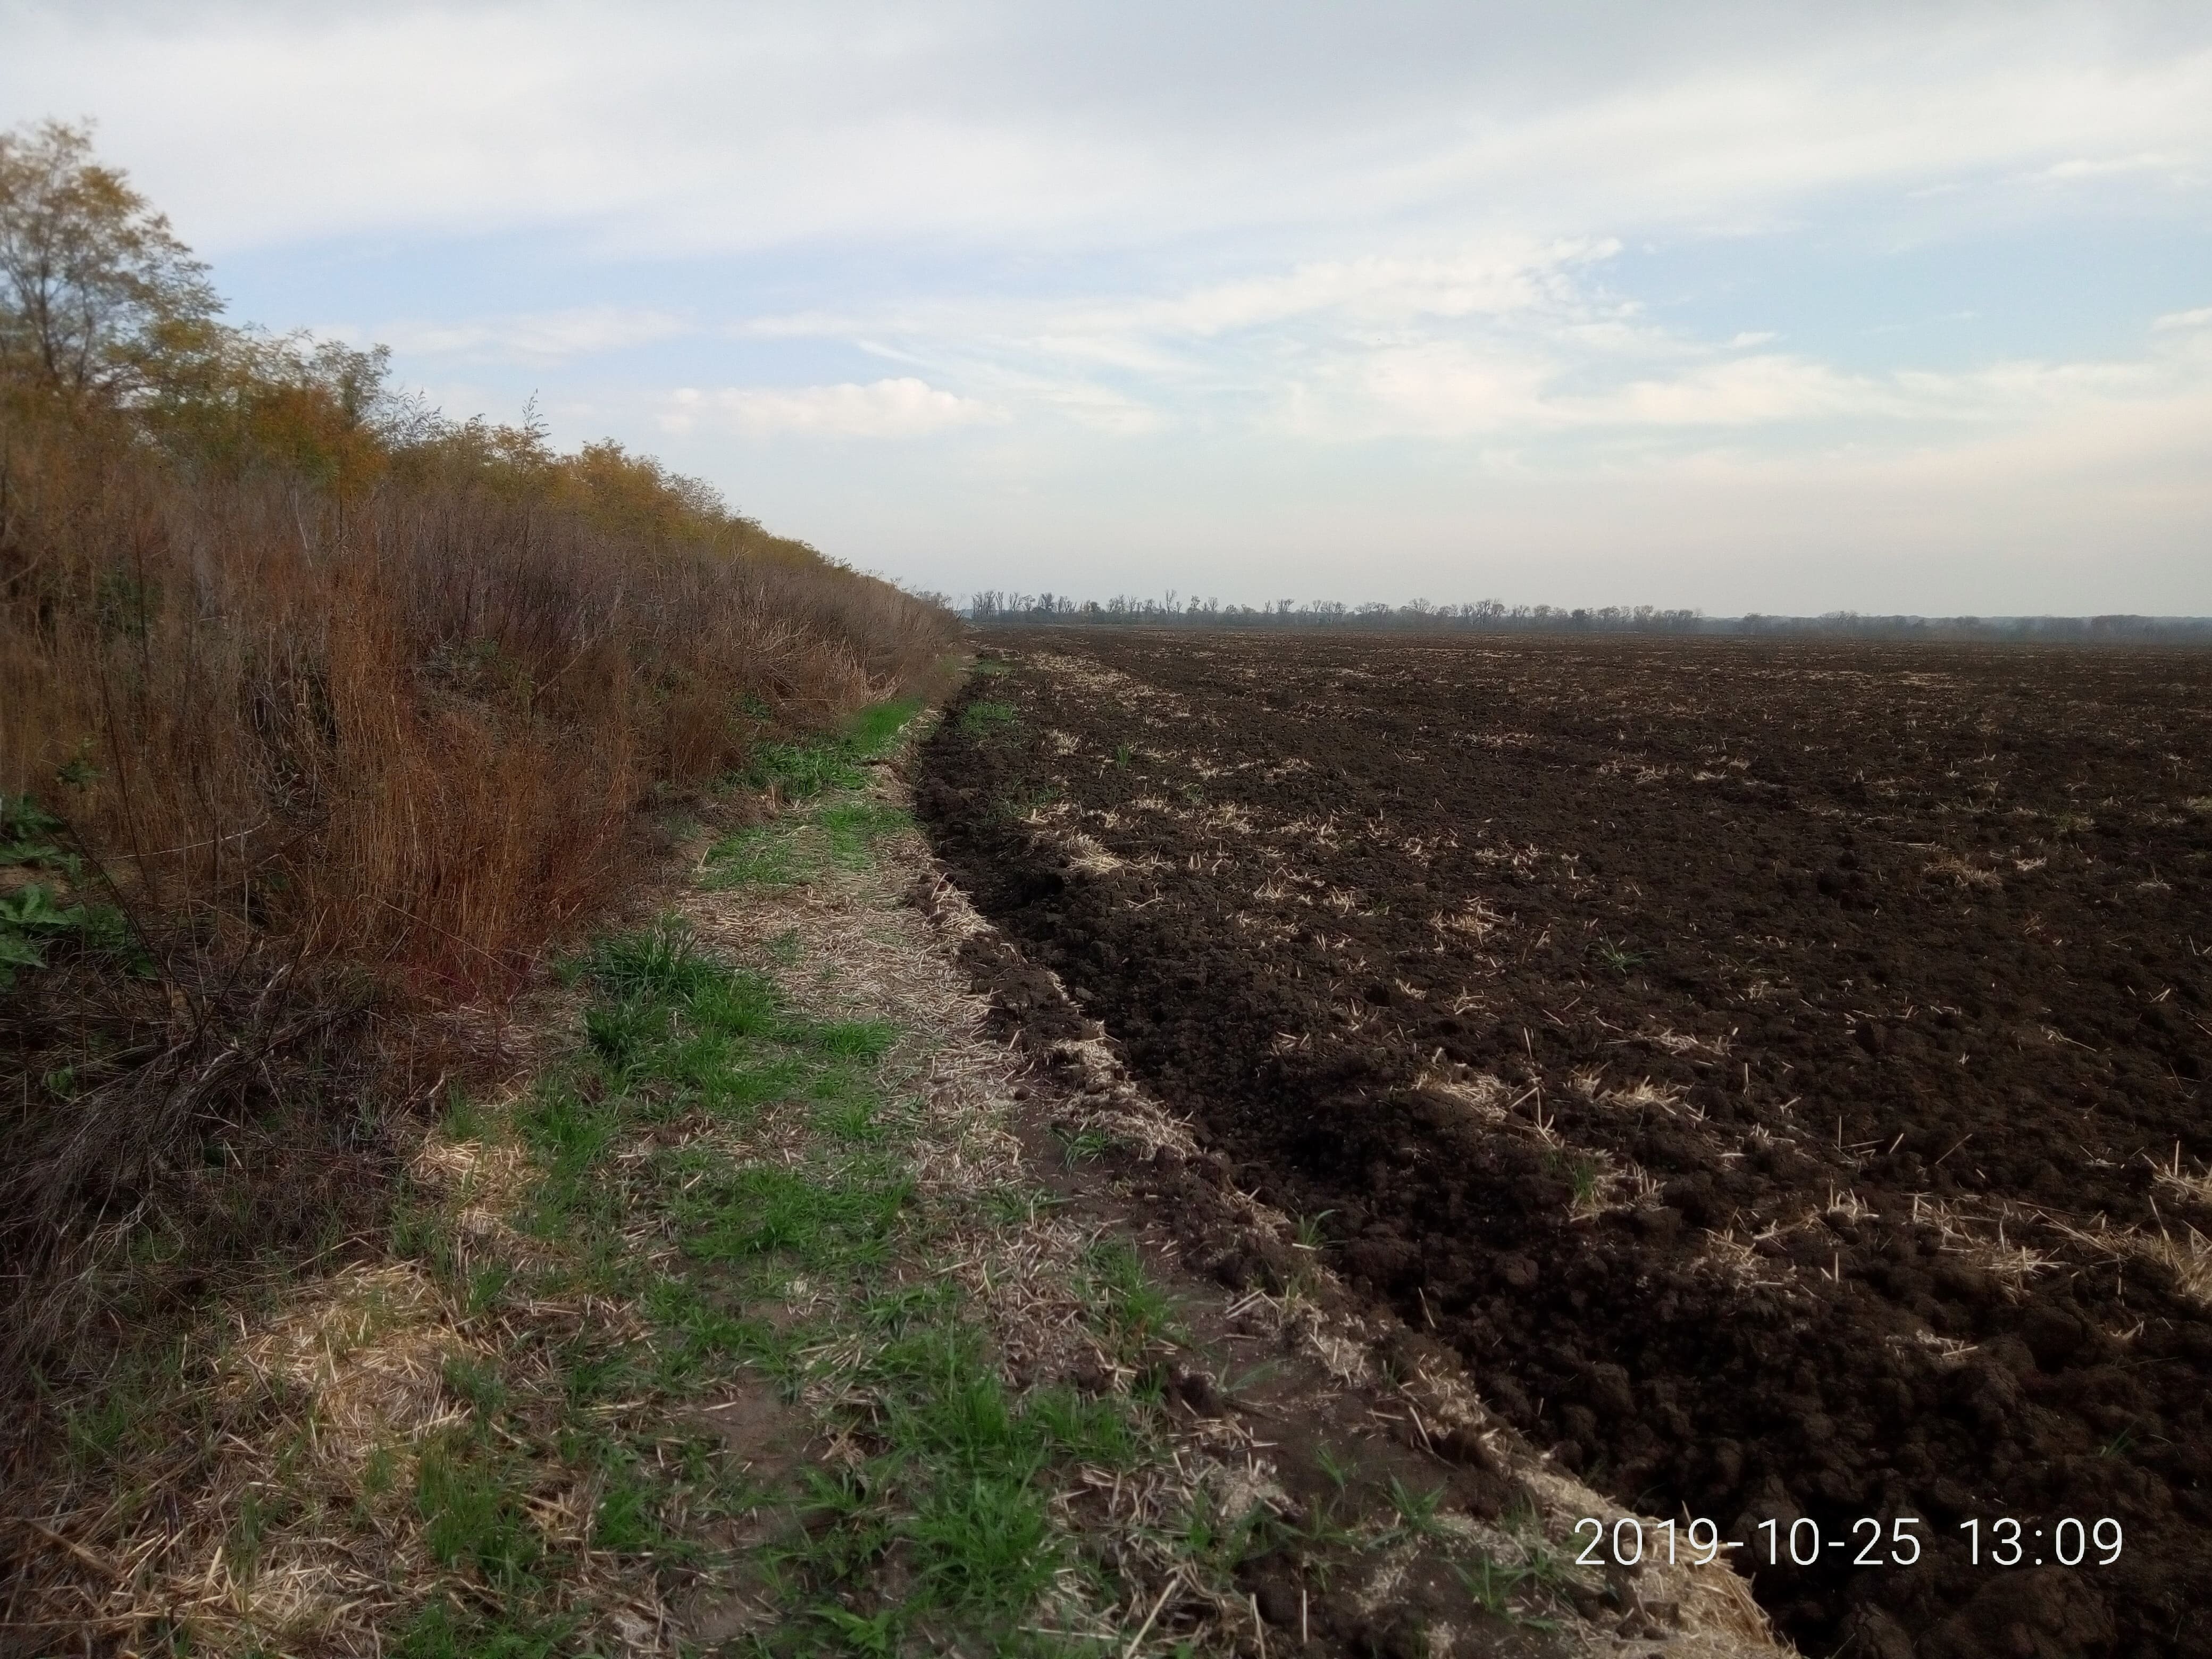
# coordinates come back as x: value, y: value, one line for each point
x: 1777, y: 1069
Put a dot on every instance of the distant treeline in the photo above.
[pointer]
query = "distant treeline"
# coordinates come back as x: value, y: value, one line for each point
x: 993, y: 607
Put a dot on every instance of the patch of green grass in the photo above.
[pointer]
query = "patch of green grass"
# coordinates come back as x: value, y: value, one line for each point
x: 627, y: 1517
x: 1492, y: 1586
x: 984, y: 1545
x: 847, y: 1039
x: 1129, y: 1310
x: 480, y: 1385
x: 568, y: 1131
x: 442, y: 1631
x: 1018, y: 1206
x: 698, y: 1337
x: 460, y: 1118
x: 623, y: 1033
x: 1340, y: 1475
x: 1310, y: 1235
x: 588, y: 1371
x: 986, y: 717
x: 1416, y: 1510
x: 1218, y: 1544
x: 875, y: 729
x: 1616, y: 957
x: 662, y: 961
x: 107, y: 1431
x: 801, y: 771
x: 473, y: 1516
x: 945, y: 1536
x: 736, y: 1003
x: 378, y: 1471
x: 1103, y: 1431
x: 242, y: 1549
x: 420, y: 1233
x: 969, y: 1468
x: 1081, y: 1145
x: 853, y: 828
x: 1585, y: 1172
x: 767, y: 1209
x: 852, y: 1120
x: 761, y: 855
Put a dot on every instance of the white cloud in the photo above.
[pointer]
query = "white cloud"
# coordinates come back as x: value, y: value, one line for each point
x: 2104, y: 166
x: 667, y: 125
x: 2199, y: 317
x: 1513, y: 278
x: 902, y: 408
x: 1747, y: 391
x: 544, y: 337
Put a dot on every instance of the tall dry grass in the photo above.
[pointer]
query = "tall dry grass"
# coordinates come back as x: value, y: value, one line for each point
x: 325, y: 756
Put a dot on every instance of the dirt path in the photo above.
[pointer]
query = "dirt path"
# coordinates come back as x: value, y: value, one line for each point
x: 804, y: 1298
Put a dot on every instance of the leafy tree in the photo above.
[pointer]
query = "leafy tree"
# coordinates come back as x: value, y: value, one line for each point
x: 234, y: 399
x: 92, y: 283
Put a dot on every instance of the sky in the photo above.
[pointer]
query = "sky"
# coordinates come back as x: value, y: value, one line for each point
x: 1777, y: 307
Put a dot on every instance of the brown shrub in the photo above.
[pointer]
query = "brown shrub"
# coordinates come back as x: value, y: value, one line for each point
x: 339, y: 757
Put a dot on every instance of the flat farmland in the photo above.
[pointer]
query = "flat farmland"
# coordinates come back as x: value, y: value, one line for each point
x: 1778, y: 1071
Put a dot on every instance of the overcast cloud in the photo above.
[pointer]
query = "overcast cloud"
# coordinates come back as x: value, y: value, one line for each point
x: 1761, y: 306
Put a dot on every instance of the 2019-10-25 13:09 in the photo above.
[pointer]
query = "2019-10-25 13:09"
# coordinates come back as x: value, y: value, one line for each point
x: 2003, y: 1542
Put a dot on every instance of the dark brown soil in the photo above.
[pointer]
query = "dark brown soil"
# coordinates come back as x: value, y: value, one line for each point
x: 1758, y: 1061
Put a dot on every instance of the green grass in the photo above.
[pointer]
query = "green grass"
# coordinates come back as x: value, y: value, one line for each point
x: 958, y: 1483
x: 481, y: 1385
x: 793, y: 850
x: 1615, y: 957
x: 766, y: 1210
x: 1585, y: 1172
x: 663, y: 961
x: 853, y: 828
x: 986, y: 717
x: 1340, y: 1475
x: 801, y: 771
x: 1081, y: 1145
x: 1416, y: 1510
x: 763, y: 855
x: 473, y: 1516
x: 1494, y: 1586
x: 875, y: 729
x: 1133, y: 1313
x: 442, y: 1631
x: 1022, y: 802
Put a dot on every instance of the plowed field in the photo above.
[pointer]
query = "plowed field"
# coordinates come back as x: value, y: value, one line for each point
x: 1778, y: 1071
